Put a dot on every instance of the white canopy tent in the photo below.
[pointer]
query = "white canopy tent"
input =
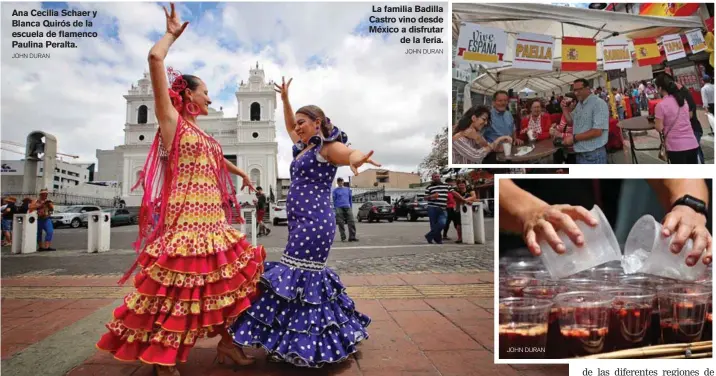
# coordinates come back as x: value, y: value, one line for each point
x: 557, y: 21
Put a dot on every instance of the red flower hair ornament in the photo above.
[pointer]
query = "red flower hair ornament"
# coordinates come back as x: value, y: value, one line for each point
x: 177, y: 85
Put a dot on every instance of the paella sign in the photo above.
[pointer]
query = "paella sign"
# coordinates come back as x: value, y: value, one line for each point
x: 616, y: 54
x: 482, y: 45
x: 533, y: 51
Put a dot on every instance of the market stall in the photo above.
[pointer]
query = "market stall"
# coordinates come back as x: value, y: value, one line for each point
x: 556, y: 22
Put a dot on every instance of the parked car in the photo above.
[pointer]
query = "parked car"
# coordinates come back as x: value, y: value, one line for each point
x: 278, y: 212
x: 121, y: 217
x: 411, y: 208
x: 73, y: 216
x: 375, y: 211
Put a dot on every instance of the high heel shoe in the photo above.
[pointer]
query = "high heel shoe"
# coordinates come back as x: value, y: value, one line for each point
x: 234, y: 353
x: 166, y: 371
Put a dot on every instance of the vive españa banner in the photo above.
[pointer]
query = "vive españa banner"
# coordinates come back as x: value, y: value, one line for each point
x: 482, y: 45
x: 533, y: 51
x: 673, y: 47
x: 696, y: 40
x: 579, y: 54
x: 616, y: 53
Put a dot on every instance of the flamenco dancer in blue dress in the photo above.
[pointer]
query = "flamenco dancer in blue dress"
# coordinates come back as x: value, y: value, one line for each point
x: 304, y: 316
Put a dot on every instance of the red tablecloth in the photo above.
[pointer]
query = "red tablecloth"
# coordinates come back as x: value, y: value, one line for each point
x: 627, y: 109
x: 652, y: 106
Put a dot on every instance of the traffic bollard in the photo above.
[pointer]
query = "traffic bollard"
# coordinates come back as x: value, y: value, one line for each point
x: 24, y: 233
x: 98, y: 231
x: 478, y: 222
x: 254, y: 227
x: 466, y: 220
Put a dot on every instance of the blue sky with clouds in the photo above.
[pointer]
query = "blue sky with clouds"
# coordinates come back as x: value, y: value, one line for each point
x: 364, y: 82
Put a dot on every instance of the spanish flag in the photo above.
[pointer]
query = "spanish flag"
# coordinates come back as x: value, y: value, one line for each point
x: 579, y: 54
x: 647, y: 51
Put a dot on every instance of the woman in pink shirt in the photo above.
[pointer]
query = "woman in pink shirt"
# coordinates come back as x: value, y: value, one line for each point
x: 672, y: 119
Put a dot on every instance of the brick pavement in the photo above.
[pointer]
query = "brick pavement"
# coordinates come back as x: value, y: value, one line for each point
x: 423, y: 324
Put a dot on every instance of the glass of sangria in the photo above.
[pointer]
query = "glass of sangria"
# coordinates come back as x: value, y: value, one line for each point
x: 630, y: 318
x: 584, y: 321
x: 708, y: 321
x: 555, y: 346
x: 523, y: 328
x: 682, y: 310
x: 513, y: 285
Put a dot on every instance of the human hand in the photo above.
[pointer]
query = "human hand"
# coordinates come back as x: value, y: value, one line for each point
x: 543, y: 223
x: 247, y: 184
x: 523, y: 131
x: 518, y: 142
x: 358, y: 159
x: 283, y: 89
x: 174, y: 25
x: 568, y: 140
x: 685, y: 223
x: 502, y: 139
x: 553, y: 132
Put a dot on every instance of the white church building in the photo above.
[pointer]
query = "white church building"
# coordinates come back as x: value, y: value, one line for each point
x: 248, y: 140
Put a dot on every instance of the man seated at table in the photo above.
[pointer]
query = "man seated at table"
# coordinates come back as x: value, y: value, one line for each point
x: 590, y: 119
x: 501, y: 124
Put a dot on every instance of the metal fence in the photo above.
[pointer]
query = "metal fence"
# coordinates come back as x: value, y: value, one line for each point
x: 65, y: 199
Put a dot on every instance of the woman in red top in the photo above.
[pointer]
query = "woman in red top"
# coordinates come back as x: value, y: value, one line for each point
x: 538, y: 122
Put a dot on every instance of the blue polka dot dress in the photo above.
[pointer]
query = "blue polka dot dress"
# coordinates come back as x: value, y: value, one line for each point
x: 304, y: 316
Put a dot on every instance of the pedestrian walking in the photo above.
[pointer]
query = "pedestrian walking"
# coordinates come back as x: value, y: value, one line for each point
x: 343, y: 206
x: 8, y: 211
x: 44, y: 208
x: 261, y: 203
x: 436, y: 194
x: 452, y: 212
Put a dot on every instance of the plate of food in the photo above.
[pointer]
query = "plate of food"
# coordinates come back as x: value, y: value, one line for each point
x: 524, y: 150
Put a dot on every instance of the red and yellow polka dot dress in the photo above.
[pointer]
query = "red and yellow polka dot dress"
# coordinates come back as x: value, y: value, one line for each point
x: 198, y: 274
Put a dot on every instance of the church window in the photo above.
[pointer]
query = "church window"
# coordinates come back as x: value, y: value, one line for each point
x: 255, y: 111
x: 141, y: 137
x: 255, y: 176
x: 142, y: 115
x: 255, y: 135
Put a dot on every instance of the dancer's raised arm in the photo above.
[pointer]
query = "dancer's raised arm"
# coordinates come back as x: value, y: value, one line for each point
x: 341, y: 155
x: 167, y: 116
x: 288, y: 116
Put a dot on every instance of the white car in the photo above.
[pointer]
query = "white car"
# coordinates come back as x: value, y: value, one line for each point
x: 73, y: 216
x: 278, y: 212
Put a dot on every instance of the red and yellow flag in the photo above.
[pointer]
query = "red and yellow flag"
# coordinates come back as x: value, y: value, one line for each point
x: 647, y: 51
x: 579, y: 54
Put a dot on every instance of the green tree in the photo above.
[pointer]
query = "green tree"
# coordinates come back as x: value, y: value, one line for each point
x: 438, y: 158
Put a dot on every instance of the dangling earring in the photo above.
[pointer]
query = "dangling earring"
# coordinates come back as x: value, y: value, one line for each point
x: 192, y: 109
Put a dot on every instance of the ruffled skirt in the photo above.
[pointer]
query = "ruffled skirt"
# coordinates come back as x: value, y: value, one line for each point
x: 303, y: 317
x: 182, y: 295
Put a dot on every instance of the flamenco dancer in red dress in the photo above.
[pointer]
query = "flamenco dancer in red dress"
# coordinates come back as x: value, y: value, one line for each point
x: 198, y: 274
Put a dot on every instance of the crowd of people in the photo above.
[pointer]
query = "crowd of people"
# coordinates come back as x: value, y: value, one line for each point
x: 444, y: 202
x: 43, y: 206
x: 582, y: 124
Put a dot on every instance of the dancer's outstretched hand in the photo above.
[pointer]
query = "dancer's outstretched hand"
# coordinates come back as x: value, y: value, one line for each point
x: 283, y: 89
x: 174, y: 25
x: 358, y: 160
x: 247, y: 184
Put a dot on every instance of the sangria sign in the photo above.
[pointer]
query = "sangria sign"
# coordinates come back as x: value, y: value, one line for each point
x: 483, y: 45
x: 533, y: 51
x: 616, y: 54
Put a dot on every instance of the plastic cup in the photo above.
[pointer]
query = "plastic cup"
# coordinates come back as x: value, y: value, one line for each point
x: 584, y: 321
x: 682, y: 311
x: 555, y: 346
x: 600, y: 247
x: 523, y: 328
x: 513, y: 285
x: 507, y: 148
x: 647, y: 251
x: 630, y: 318
x: 708, y: 321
